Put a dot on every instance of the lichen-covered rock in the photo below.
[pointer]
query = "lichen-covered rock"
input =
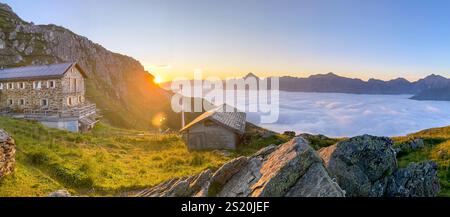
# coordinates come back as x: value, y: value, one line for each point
x: 410, y: 145
x: 416, y: 180
x: 361, y: 164
x: 224, y: 173
x: 263, y: 153
x: 7, y: 154
x: 366, y: 166
x: 179, y: 187
x: 60, y: 193
x: 293, y: 169
x: 284, y: 167
x: 315, y: 183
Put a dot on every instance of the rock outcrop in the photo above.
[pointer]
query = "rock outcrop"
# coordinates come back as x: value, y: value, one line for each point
x: 416, y: 180
x: 363, y: 166
x: 7, y: 154
x: 60, y: 193
x: 410, y: 146
x: 293, y: 169
x: 366, y: 166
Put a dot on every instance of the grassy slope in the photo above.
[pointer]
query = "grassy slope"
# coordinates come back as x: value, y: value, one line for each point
x: 107, y: 161
x: 437, y: 149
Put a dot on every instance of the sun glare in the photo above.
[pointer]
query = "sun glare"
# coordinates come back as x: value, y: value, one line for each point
x: 158, y: 80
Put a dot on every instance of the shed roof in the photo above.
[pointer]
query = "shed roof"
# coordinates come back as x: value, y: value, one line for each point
x: 38, y: 71
x: 233, y: 120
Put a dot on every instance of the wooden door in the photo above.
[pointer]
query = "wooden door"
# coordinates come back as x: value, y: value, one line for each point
x: 197, y: 141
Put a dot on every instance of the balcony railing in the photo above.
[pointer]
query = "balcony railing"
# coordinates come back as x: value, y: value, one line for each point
x: 73, y: 112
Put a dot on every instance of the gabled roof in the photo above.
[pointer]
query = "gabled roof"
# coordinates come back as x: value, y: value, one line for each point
x: 234, y: 121
x: 41, y: 71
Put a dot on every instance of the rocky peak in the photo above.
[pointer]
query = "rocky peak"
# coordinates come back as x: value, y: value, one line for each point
x: 329, y: 75
x: 251, y: 75
x: 5, y: 7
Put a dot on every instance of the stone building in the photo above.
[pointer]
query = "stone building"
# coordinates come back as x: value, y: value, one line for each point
x: 52, y: 94
x: 215, y: 129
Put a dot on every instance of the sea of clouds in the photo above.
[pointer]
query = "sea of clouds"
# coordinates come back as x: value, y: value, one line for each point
x: 338, y: 115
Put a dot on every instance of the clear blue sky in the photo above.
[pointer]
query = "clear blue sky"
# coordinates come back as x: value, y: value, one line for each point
x: 371, y: 38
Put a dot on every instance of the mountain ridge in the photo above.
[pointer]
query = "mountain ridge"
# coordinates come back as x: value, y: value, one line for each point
x: 333, y: 83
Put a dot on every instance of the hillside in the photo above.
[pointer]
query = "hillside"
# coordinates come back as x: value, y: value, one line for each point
x: 97, y: 163
x: 437, y: 149
x: 107, y: 161
x: 100, y: 163
x: 118, y: 84
x: 440, y: 94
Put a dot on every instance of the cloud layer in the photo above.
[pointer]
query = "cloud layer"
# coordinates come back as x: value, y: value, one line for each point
x: 337, y: 115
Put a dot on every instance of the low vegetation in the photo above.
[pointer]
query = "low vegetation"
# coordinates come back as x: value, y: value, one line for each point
x: 106, y: 161
x: 110, y: 161
x: 437, y: 149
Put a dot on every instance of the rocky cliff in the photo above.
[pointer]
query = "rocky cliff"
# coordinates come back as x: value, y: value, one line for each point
x: 363, y: 166
x: 119, y: 85
x: 7, y: 154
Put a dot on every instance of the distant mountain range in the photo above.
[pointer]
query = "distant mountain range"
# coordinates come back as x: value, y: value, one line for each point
x: 432, y: 87
x: 333, y: 83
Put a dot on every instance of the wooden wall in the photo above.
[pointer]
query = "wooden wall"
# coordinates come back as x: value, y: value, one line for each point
x: 210, y: 136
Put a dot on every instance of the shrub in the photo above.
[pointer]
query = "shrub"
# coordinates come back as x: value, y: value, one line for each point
x: 197, y: 160
x: 73, y: 178
x: 38, y: 158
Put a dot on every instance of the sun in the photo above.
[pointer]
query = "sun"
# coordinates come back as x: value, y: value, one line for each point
x: 158, y: 80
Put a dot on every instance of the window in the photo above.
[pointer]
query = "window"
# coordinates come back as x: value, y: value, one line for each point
x: 37, y: 84
x: 69, y: 100
x: 10, y: 102
x: 51, y: 84
x: 80, y: 99
x: 1, y: 86
x: 44, y: 102
x: 21, y: 85
x: 10, y: 86
x: 21, y: 102
x: 75, y: 84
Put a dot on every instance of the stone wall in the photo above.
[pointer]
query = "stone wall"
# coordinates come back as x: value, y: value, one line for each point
x: 7, y: 154
x: 32, y: 97
x: 24, y: 96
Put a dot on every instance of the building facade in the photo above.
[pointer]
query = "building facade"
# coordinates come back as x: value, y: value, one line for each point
x: 48, y: 93
x: 28, y: 91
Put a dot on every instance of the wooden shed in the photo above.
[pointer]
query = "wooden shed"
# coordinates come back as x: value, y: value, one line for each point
x: 215, y: 129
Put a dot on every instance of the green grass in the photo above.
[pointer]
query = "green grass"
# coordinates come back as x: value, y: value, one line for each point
x: 437, y: 149
x: 255, y: 139
x: 105, y: 162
